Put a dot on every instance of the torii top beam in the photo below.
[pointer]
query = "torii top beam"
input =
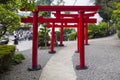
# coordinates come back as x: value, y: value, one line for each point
x: 62, y: 8
x: 68, y: 8
x: 73, y: 15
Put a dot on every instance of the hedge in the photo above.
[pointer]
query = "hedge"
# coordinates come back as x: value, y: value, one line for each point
x: 6, y: 54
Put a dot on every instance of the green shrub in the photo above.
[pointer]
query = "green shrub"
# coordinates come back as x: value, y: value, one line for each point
x: 57, y: 35
x: 97, y: 31
x: 6, y: 54
x: 118, y: 33
x: 43, y: 37
x: 93, y: 31
x: 104, y: 28
x: 66, y: 32
x: 72, y: 36
x: 17, y: 58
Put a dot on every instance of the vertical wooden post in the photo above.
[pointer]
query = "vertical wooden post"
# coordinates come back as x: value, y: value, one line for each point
x: 86, y: 33
x: 52, y: 40
x: 35, y: 65
x: 81, y: 41
x: 78, y: 29
x: 61, y: 35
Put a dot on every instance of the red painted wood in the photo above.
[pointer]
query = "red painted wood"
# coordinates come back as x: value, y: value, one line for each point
x: 68, y: 8
x: 74, y: 15
x: 61, y: 34
x: 86, y: 33
x: 53, y: 20
x: 52, y: 38
x: 81, y: 39
x: 35, y: 40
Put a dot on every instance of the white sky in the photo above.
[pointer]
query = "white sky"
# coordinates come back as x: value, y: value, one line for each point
x: 83, y: 3
x: 79, y: 2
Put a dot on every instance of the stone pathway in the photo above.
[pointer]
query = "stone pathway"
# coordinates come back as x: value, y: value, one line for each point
x: 102, y: 57
x: 102, y: 60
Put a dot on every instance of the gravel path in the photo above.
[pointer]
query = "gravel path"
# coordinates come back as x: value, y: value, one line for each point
x: 20, y: 72
x: 102, y: 60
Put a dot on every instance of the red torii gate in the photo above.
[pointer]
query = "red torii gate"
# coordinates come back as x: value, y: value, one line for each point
x: 73, y: 17
x: 86, y: 21
x: 71, y: 26
x: 80, y: 21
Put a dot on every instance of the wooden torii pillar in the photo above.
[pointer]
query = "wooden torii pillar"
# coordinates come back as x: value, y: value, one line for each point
x: 61, y: 29
x: 81, y: 9
x: 52, y: 40
x: 61, y: 35
x: 33, y: 20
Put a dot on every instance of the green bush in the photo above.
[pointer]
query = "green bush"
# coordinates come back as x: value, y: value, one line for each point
x: 66, y: 32
x: 97, y: 31
x: 43, y: 37
x: 104, y: 28
x: 17, y: 58
x: 57, y: 35
x: 93, y: 31
x: 72, y: 36
x: 6, y: 54
x: 118, y: 33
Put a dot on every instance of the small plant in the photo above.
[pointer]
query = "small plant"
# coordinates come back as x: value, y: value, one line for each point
x: 17, y: 58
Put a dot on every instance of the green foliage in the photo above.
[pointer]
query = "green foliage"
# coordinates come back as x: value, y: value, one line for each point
x: 118, y: 25
x: 28, y: 5
x: 116, y: 13
x: 101, y: 30
x: 58, y: 35
x: 66, y: 32
x: 44, y: 13
x: 9, y: 20
x: 94, y: 31
x: 17, y: 58
x: 11, y: 5
x: 116, y: 17
x: 43, y: 37
x: 72, y: 36
x: 104, y: 28
x: 107, y: 8
x: 44, y: 2
x: 118, y: 34
x: 6, y: 54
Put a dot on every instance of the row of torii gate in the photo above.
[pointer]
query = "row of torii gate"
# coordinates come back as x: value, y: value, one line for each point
x: 79, y: 21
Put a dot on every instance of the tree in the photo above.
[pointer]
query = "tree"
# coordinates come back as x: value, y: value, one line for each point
x: 9, y: 20
x: 44, y: 2
x: 107, y: 8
